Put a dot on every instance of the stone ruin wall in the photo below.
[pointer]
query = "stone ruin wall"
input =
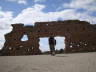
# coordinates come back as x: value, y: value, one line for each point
x: 80, y: 36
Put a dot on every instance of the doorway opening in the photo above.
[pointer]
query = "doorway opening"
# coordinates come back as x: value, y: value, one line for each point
x: 44, y: 44
x: 60, y: 44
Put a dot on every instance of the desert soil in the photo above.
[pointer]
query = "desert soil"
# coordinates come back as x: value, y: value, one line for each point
x: 77, y: 62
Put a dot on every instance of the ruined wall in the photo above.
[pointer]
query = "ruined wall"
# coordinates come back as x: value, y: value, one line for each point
x: 80, y: 36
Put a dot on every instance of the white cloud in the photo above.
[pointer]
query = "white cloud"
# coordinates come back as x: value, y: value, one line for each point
x: 19, y: 1
x: 30, y: 15
x: 5, y: 21
x: 36, y: 14
x: 22, y: 1
x: 39, y: 1
x: 89, y: 5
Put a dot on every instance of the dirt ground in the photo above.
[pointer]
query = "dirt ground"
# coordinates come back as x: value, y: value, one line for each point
x: 77, y: 62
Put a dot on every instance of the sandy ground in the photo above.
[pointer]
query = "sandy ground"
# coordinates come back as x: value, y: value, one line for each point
x: 78, y: 62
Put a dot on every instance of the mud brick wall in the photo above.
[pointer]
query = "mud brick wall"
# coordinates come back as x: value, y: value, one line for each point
x: 80, y: 36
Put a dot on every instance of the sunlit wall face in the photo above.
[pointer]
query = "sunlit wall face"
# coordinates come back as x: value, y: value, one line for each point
x: 44, y: 43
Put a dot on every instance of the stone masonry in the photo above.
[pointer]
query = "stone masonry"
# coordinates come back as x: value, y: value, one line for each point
x: 80, y: 36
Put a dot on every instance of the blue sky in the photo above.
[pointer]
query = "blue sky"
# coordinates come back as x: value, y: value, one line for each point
x: 16, y: 7
x: 31, y: 11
